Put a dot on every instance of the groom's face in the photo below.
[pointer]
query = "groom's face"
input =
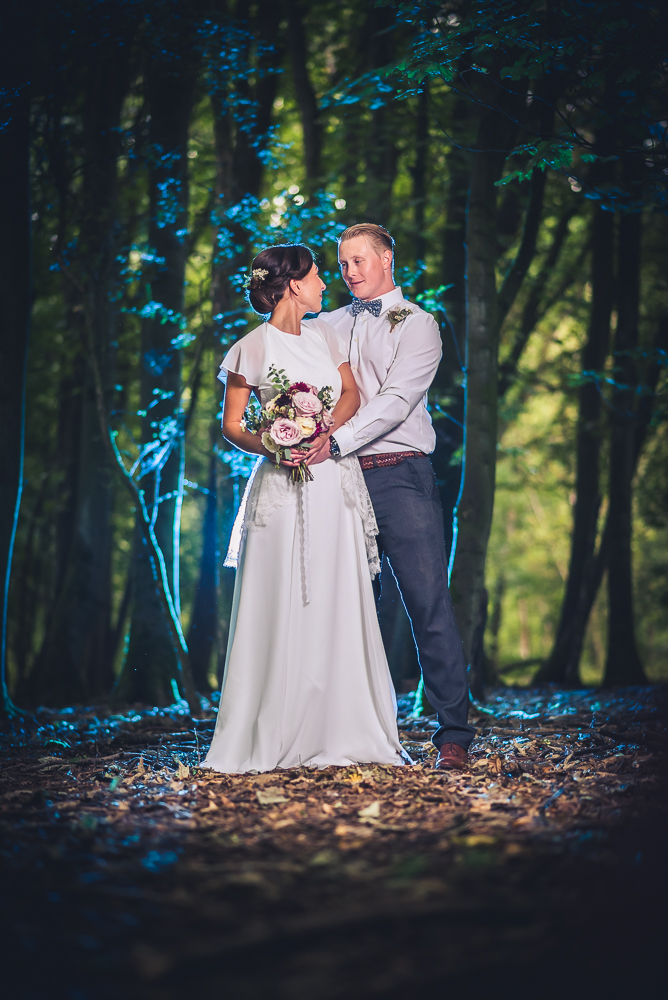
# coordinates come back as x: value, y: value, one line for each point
x: 367, y: 273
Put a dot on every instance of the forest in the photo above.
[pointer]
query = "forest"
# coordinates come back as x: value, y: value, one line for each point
x: 156, y: 147
x: 517, y: 151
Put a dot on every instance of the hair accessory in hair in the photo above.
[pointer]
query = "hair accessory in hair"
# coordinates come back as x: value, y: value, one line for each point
x: 258, y: 273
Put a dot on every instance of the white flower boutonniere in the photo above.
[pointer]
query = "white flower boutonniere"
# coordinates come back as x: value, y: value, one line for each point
x: 397, y: 316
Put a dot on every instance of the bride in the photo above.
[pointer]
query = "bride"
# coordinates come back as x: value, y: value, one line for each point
x: 306, y: 680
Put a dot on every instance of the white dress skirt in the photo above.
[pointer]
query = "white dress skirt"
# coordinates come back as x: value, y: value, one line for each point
x: 306, y: 679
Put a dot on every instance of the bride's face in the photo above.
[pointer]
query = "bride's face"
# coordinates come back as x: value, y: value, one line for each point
x: 309, y: 290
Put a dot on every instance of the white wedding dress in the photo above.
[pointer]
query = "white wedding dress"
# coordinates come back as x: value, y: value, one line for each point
x: 306, y: 678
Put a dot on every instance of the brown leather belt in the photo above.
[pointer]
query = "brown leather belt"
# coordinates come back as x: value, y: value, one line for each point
x: 387, y: 459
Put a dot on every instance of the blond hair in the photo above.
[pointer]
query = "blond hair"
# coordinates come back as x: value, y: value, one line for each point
x: 378, y: 237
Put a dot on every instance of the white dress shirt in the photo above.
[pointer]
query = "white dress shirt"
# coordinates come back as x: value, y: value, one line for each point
x: 393, y: 370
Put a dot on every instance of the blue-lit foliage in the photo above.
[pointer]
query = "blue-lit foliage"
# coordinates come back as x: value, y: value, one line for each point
x: 599, y: 66
x: 246, y: 185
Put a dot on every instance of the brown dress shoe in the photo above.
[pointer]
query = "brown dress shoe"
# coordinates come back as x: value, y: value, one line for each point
x: 451, y: 756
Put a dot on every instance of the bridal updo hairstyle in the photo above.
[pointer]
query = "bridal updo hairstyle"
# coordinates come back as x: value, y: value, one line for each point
x: 283, y: 264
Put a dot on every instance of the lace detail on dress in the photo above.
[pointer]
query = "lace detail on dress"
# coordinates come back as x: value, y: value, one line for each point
x: 273, y: 490
x: 357, y: 495
x: 270, y: 488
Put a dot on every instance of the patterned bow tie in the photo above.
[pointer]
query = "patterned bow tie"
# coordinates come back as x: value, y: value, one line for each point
x: 373, y: 307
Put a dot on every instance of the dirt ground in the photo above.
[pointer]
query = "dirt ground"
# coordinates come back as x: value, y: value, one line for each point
x: 129, y: 872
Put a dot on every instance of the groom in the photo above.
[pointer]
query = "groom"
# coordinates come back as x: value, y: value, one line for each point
x: 394, y: 348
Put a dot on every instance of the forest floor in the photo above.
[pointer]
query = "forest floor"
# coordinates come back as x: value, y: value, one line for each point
x: 129, y: 873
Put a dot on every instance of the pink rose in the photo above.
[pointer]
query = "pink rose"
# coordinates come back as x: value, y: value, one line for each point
x: 307, y: 404
x: 326, y: 419
x: 286, y: 433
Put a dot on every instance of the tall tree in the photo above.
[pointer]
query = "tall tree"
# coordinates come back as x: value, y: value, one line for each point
x: 312, y: 127
x: 16, y: 29
x: 171, y: 74
x: 623, y: 664
x: 377, y: 47
x: 474, y: 511
x: 243, y: 112
x: 563, y: 663
x: 75, y: 659
x: 419, y: 176
x: 203, y: 630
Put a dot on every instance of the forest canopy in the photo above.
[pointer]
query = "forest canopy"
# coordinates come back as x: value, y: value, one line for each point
x: 517, y: 153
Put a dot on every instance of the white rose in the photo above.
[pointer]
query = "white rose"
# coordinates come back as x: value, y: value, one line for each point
x: 269, y: 442
x: 269, y: 407
x: 306, y: 425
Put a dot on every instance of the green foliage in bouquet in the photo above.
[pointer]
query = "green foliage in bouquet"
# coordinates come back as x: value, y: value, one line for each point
x: 292, y: 420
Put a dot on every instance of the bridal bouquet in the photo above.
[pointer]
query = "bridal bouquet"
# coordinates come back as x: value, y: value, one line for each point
x: 291, y: 420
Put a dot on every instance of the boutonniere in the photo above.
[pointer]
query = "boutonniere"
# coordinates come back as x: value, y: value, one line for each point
x: 397, y: 316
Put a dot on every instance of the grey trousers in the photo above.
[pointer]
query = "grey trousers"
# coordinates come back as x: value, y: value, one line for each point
x: 410, y: 522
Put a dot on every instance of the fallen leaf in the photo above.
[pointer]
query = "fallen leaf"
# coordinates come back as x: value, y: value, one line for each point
x: 496, y: 764
x: 371, y: 811
x: 182, y: 770
x: 344, y: 830
x: 325, y: 857
x: 270, y: 796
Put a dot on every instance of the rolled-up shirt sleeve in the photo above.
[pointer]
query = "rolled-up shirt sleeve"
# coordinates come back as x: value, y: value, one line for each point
x: 408, y: 379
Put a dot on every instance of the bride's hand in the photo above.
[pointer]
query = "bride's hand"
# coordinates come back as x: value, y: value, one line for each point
x: 319, y: 451
x: 298, y: 455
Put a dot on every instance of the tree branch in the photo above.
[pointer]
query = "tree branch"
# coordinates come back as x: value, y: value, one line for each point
x: 162, y: 583
x: 532, y: 312
x: 518, y: 269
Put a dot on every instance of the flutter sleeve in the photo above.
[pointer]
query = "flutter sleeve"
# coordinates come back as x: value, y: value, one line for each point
x: 246, y: 358
x: 334, y: 341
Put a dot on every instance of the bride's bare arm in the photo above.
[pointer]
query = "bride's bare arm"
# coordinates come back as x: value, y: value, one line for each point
x: 237, y: 394
x: 347, y: 406
x: 349, y: 400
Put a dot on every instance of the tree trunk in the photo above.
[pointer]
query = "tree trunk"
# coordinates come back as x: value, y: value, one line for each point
x: 563, y: 662
x: 16, y: 291
x: 312, y: 129
x: 474, y: 512
x: 449, y: 430
x: 480, y: 671
x: 594, y: 575
x: 495, y: 624
x: 204, y: 624
x: 251, y: 141
x: 623, y: 664
x: 380, y: 150
x: 239, y: 171
x: 151, y: 663
x: 75, y: 662
x: 534, y: 307
x: 419, y: 175
x: 26, y: 591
